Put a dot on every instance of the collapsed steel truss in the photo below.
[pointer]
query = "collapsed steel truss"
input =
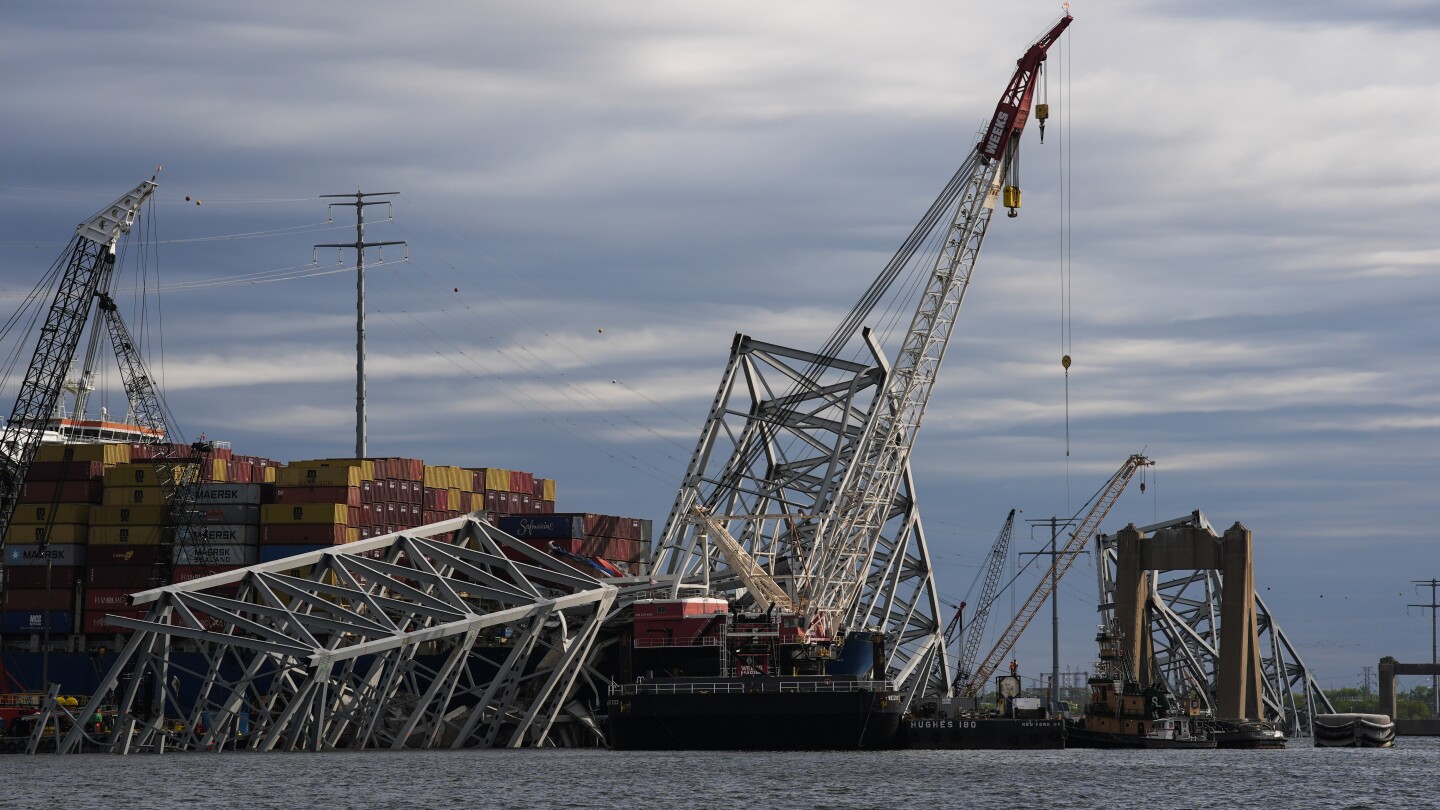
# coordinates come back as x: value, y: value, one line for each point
x: 779, y: 440
x: 1184, y: 619
x: 450, y: 635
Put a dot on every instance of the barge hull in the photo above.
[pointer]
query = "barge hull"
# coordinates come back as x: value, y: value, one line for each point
x: 754, y: 721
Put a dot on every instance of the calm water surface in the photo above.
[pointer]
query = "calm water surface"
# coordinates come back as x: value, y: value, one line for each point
x: 1407, y: 776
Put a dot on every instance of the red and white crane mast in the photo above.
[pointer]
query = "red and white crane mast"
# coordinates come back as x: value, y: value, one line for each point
x: 838, y: 566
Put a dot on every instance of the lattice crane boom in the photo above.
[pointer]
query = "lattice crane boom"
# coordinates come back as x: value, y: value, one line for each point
x: 763, y: 588
x: 88, y: 260
x: 836, y: 570
x: 975, y: 633
x: 1085, y: 530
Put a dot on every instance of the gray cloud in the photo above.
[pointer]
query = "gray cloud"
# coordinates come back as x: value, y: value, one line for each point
x: 1253, y: 261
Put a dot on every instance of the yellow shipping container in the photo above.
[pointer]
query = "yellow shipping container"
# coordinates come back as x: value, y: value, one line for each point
x: 44, y: 513
x: 321, y: 513
x: 219, y: 471
x: 141, y: 474
x: 143, y: 515
x: 497, y: 479
x: 438, y: 477
x: 107, y: 453
x: 352, y: 535
x: 24, y: 534
x: 310, y: 475
x: 548, y: 493
x: 267, y: 475
x: 133, y: 496
x: 125, y: 535
x: 453, y: 499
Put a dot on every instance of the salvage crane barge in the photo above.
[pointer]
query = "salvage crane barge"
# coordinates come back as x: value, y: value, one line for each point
x: 708, y: 675
x: 781, y: 655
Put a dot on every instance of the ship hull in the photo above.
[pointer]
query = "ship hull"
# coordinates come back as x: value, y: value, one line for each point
x: 983, y: 734
x: 759, y: 720
x: 1077, y: 736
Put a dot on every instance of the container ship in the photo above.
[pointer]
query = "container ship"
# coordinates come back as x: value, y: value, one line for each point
x: 92, y: 514
x: 701, y: 672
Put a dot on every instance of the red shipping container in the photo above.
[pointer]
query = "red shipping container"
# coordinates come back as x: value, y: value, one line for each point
x: 621, y: 549
x: 492, y: 501
x: 186, y: 573
x: 103, y: 600
x: 129, y: 578
x: 368, y: 492
x: 410, y: 469
x: 65, y: 470
x: 547, y: 507
x: 414, y: 513
x: 38, y: 599
x: 82, y: 491
x: 297, y: 534
x: 392, y: 490
x: 352, y: 516
x: 350, y: 496
x: 521, y: 481
x: 64, y: 577
x: 96, y: 622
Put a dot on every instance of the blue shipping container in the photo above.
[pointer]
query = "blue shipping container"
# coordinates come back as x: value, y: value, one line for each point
x: 542, y: 527
x: 273, y: 553
x: 33, y: 621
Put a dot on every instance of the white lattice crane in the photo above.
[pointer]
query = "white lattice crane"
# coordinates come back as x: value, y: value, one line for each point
x: 1086, y: 529
x: 838, y: 564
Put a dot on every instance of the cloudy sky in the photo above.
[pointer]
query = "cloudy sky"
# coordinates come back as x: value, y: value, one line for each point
x: 597, y: 196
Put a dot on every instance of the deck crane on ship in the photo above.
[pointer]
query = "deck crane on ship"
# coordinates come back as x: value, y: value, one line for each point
x: 84, y: 284
x: 974, y: 634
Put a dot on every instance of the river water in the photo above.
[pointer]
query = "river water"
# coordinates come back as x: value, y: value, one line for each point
x: 1298, y: 777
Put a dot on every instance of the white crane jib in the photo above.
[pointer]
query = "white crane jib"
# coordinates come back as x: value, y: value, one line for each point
x: 763, y: 588
x: 836, y: 569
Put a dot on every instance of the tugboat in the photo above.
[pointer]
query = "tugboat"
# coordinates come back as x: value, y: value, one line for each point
x: 1123, y: 714
x: 701, y: 673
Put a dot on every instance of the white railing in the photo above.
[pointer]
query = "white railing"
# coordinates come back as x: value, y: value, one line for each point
x: 725, y: 687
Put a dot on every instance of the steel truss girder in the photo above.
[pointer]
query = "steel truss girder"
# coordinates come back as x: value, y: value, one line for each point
x: 453, y: 634
x: 1184, y: 618
x: 784, y: 428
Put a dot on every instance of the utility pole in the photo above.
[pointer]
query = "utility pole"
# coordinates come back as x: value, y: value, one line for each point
x: 359, y: 245
x: 1055, y: 524
x: 1432, y: 584
x: 1365, y: 690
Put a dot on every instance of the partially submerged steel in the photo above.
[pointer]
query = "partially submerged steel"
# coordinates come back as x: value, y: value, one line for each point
x: 449, y: 635
x: 1182, y: 618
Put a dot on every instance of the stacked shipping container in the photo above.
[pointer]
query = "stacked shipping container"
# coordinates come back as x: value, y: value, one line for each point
x: 101, y: 509
x: 43, y: 583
